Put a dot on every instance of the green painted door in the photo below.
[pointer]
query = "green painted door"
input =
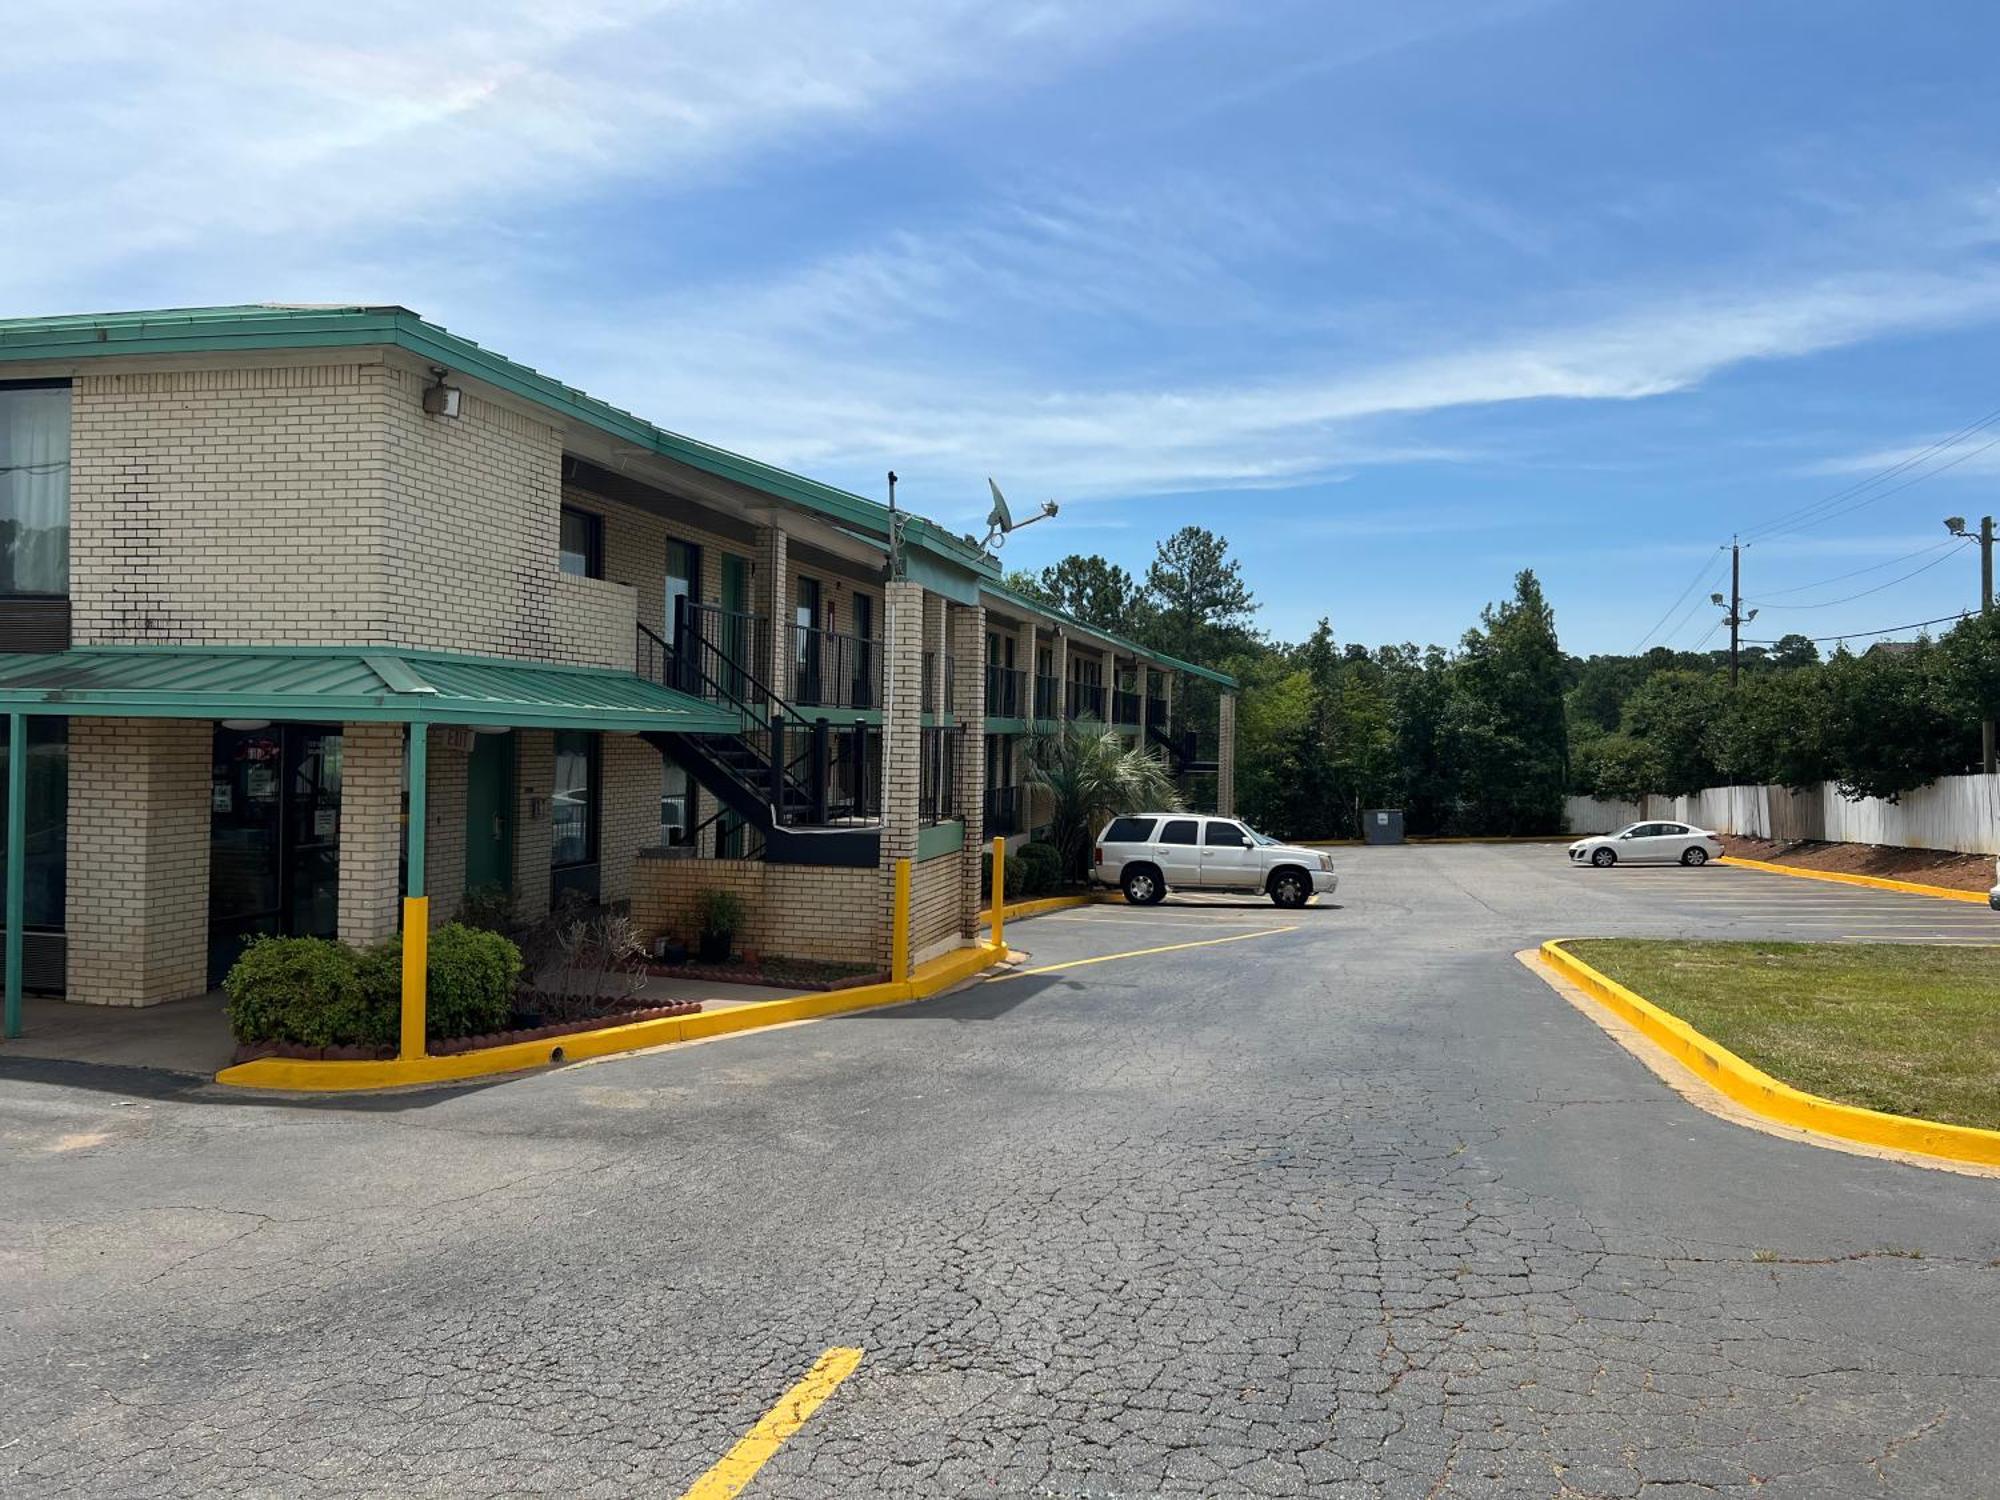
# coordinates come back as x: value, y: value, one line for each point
x: 489, y: 813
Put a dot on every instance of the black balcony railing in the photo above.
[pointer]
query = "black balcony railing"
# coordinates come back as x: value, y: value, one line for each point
x: 1156, y: 713
x: 1006, y: 691
x: 1003, y: 809
x: 1125, y: 707
x: 937, y: 796
x: 833, y: 670
x: 1086, y: 700
x: 711, y: 652
x: 1048, y: 696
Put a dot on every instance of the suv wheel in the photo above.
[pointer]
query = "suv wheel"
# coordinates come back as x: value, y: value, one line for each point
x: 1143, y: 886
x: 1604, y: 859
x: 1289, y: 888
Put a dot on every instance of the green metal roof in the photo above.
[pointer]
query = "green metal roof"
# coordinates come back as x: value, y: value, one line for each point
x: 194, y: 330
x: 346, y: 684
x: 1035, y: 606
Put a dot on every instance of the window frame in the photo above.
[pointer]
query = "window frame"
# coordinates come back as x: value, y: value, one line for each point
x: 593, y: 553
x: 593, y: 822
x: 50, y: 383
x: 1168, y: 825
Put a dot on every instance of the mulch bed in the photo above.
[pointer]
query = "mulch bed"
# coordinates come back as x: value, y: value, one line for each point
x: 780, y: 977
x: 1945, y: 867
x: 450, y: 1046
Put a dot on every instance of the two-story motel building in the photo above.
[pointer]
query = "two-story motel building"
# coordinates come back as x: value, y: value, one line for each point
x: 261, y: 567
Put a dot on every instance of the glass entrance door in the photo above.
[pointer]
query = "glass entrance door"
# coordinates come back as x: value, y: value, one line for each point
x: 274, y: 837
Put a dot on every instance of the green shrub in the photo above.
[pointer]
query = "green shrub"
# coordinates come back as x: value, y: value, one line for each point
x: 471, y: 981
x: 1042, y: 869
x: 721, y: 911
x: 1017, y: 875
x: 489, y: 908
x: 318, y: 993
x: 308, y: 991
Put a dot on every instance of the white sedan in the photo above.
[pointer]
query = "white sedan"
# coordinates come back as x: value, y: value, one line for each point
x: 1648, y: 844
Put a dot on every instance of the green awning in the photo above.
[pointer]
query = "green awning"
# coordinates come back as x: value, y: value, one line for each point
x: 357, y: 686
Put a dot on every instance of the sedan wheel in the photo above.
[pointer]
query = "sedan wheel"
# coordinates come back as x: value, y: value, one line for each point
x: 1604, y: 859
x: 1289, y: 889
x: 1694, y: 856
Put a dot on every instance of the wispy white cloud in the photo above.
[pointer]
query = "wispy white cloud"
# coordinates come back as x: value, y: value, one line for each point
x: 1975, y: 455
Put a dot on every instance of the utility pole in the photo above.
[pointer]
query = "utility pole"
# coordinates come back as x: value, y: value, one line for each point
x: 1956, y: 526
x: 1735, y: 619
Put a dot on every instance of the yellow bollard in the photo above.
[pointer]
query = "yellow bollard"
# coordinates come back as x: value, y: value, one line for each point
x: 1000, y: 894
x: 899, y: 926
x: 416, y: 972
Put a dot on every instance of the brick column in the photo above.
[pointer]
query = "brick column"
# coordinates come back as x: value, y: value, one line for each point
x: 371, y: 831
x: 936, y: 643
x: 534, y: 775
x: 136, y: 909
x: 771, y: 594
x: 902, y: 718
x: 1059, y: 664
x: 1225, y: 759
x: 968, y: 635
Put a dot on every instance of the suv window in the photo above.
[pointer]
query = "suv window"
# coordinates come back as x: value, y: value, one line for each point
x: 1129, y: 831
x: 1180, y: 831
x: 1226, y: 836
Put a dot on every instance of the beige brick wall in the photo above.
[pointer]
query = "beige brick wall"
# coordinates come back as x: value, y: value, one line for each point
x: 902, y: 721
x: 230, y: 505
x: 630, y: 783
x: 967, y: 626
x: 137, y: 902
x: 593, y: 623
x: 936, y: 899
x: 371, y: 831
x: 472, y: 523
x: 797, y: 911
x: 444, y: 828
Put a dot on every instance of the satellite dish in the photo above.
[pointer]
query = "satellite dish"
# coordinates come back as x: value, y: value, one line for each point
x: 1000, y: 518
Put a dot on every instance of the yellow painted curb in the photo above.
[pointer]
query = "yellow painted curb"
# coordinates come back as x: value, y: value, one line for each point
x: 1014, y: 911
x: 1759, y: 1092
x: 305, y: 1075
x: 1840, y: 877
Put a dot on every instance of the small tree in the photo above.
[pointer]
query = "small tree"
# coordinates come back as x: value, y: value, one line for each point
x: 1092, y: 778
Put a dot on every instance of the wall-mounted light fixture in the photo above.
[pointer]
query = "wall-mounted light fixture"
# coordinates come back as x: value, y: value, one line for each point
x: 441, y: 400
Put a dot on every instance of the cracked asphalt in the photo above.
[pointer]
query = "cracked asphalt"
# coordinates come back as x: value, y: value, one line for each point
x: 1361, y: 1209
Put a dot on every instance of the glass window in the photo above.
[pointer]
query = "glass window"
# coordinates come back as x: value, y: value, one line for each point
x: 1129, y: 831
x: 573, y: 801
x: 48, y: 819
x: 34, y: 489
x: 1225, y: 836
x: 582, y: 543
x: 1179, y: 831
x: 683, y: 578
x: 676, y: 806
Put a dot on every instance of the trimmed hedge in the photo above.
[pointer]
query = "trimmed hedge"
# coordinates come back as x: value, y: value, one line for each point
x: 315, y: 992
x: 1041, y: 869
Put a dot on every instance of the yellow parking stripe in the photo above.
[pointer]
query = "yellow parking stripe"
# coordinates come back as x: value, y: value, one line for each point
x: 740, y: 1464
x: 1105, y: 958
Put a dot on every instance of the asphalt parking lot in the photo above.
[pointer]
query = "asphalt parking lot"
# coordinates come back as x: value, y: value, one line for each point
x: 1207, y: 1199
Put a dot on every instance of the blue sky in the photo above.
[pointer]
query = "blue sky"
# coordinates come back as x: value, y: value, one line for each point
x: 1399, y: 298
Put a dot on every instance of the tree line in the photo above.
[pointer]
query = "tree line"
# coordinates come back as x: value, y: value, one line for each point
x: 1488, y: 735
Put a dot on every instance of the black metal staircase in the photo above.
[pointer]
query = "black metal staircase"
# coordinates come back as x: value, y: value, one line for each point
x: 1182, y: 751
x: 776, y: 773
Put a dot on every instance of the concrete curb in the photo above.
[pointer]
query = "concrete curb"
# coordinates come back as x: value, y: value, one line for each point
x: 301, y: 1075
x: 1757, y: 1091
x: 1879, y: 882
x: 1440, y: 838
x: 1016, y: 911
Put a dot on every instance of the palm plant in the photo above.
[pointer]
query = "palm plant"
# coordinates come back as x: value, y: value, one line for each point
x: 1090, y: 778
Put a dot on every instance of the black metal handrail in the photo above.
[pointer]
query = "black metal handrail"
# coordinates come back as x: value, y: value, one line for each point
x: 1125, y: 707
x: 689, y: 670
x: 1156, y: 713
x: 1005, y: 690
x: 1048, y: 695
x: 831, y: 669
x: 937, y: 784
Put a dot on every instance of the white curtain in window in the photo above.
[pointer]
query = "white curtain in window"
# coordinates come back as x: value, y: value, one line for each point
x: 34, y: 490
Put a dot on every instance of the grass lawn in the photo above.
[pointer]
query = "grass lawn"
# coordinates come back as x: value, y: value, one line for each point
x: 1898, y: 1027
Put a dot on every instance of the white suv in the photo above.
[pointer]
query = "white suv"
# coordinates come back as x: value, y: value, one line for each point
x: 1149, y: 854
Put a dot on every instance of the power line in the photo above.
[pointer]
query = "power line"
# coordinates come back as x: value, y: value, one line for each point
x: 1855, y: 635
x: 1701, y: 571
x: 1712, y: 574
x: 1800, y: 588
x: 1804, y: 516
x: 1905, y: 578
x: 1867, y: 500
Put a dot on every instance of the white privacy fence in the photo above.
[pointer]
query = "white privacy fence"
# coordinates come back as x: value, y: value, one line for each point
x: 1953, y: 812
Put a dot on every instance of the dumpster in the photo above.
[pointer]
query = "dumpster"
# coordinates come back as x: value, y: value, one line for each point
x: 1382, y: 825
